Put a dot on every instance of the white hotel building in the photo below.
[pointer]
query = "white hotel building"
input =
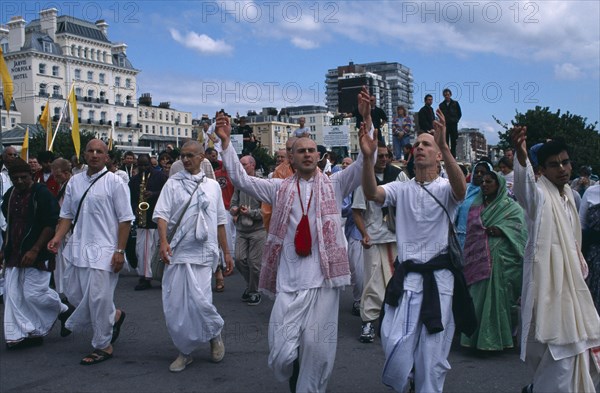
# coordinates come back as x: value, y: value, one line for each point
x: 48, y: 55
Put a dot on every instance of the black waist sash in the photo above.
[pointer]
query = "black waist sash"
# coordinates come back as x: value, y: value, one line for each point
x: 430, y: 314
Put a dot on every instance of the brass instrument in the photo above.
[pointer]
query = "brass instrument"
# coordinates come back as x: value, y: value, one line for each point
x: 143, y: 205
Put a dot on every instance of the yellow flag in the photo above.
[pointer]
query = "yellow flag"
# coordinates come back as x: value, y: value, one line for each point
x: 7, y: 83
x: 46, y: 122
x: 74, y: 122
x: 25, y: 147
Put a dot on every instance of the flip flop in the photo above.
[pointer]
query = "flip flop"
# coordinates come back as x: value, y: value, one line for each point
x: 117, y: 327
x: 97, y: 356
x: 220, y: 285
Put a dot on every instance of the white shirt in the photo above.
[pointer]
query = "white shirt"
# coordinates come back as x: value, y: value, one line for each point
x: 173, y: 198
x: 294, y: 273
x: 122, y: 175
x: 590, y: 198
x: 107, y: 204
x: 422, y: 226
x: 217, y: 142
x: 301, y: 131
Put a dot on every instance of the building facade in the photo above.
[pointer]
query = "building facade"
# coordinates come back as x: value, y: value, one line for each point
x: 471, y: 145
x: 161, y: 125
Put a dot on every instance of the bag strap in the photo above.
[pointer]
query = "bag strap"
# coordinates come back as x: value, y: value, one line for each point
x: 174, y: 229
x: 451, y: 223
x: 82, y: 198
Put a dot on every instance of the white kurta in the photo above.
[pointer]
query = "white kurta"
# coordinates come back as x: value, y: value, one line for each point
x: 94, y: 240
x: 302, y: 301
x: 421, y: 233
x: 190, y: 316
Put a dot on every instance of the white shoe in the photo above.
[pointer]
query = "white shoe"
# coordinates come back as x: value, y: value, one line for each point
x: 180, y: 363
x: 217, y: 349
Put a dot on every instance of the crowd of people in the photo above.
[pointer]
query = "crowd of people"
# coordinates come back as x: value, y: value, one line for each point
x: 505, y: 254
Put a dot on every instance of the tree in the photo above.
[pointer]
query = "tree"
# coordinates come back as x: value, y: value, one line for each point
x: 583, y: 139
x: 63, y: 144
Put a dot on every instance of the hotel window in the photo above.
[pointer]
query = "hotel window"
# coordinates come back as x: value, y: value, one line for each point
x: 120, y: 138
x: 42, y: 68
x: 57, y: 112
x: 78, y: 91
x: 103, y: 116
x: 54, y: 70
x: 91, y: 115
x: 101, y: 78
x: 159, y: 115
x: 117, y: 81
x: 90, y: 76
x: 161, y: 130
x: 90, y: 93
x: 43, y: 88
x: 153, y: 129
x: 128, y: 83
x: 77, y: 73
x: 119, y: 118
x: 56, y: 91
x: 47, y: 47
x: 118, y: 99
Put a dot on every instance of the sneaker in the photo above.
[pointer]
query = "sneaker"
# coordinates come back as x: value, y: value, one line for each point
x: 356, y: 308
x: 245, y: 295
x: 143, y: 285
x: 180, y: 363
x: 367, y: 334
x: 254, y: 299
x: 217, y: 349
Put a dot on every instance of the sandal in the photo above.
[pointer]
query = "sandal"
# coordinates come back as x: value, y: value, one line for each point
x: 220, y: 287
x: 96, y: 357
x: 117, y: 327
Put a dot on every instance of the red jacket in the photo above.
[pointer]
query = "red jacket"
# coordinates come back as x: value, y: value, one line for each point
x: 52, y: 184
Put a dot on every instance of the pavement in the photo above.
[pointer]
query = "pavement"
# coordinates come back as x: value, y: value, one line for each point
x: 144, y: 351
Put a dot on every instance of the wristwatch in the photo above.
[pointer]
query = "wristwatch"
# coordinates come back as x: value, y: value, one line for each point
x: 120, y: 251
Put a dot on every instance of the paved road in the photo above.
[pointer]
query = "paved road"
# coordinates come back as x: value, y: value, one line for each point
x: 144, y: 352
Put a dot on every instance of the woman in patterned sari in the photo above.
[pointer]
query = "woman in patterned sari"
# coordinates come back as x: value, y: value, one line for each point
x: 494, y: 248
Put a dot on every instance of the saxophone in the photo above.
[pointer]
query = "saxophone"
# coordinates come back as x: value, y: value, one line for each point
x: 143, y: 205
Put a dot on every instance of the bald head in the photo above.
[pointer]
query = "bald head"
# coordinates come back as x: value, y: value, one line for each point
x: 249, y: 164
x: 8, y: 155
x: 195, y: 146
x: 97, y: 144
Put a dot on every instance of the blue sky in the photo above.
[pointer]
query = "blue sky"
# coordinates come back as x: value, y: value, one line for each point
x: 497, y: 57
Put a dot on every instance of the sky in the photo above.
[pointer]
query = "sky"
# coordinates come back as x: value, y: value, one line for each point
x: 498, y: 57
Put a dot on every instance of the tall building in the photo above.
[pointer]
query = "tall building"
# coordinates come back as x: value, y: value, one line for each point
x: 471, y: 145
x: 47, y: 56
x: 393, y: 86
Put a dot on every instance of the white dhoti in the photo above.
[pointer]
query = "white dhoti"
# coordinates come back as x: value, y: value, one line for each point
x: 231, y: 233
x: 303, y: 326
x: 191, y: 317
x: 562, y: 375
x: 407, y: 343
x: 61, y: 266
x: 146, y: 243
x: 30, y: 306
x: 92, y: 292
x: 379, y: 263
x: 357, y: 268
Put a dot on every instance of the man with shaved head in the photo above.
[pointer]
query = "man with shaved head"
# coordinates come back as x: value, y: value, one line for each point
x: 282, y: 171
x: 418, y: 326
x: 96, y: 210
x: 305, y: 261
x: 191, y: 219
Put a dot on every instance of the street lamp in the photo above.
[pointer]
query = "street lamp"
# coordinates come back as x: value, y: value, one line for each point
x: 177, y: 135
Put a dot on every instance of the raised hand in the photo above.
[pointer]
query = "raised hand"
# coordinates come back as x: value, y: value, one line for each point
x: 368, y: 144
x: 364, y: 105
x: 223, y: 129
x: 439, y: 126
x: 518, y: 137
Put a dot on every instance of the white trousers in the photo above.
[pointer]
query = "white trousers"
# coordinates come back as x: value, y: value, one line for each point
x: 191, y: 317
x: 30, y: 305
x: 61, y: 267
x: 231, y: 232
x: 304, y: 325
x: 572, y: 374
x: 92, y: 292
x: 378, y: 262
x: 357, y: 268
x: 146, y: 243
x: 407, y: 343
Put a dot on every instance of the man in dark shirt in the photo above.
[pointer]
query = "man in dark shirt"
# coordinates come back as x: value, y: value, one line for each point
x: 426, y: 116
x: 44, y: 175
x: 31, y: 307
x: 378, y: 117
x: 249, y: 139
x: 452, y: 113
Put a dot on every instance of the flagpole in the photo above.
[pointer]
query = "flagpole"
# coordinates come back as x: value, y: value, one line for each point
x: 61, y: 117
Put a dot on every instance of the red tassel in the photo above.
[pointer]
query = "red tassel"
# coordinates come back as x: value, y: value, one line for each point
x: 302, y: 239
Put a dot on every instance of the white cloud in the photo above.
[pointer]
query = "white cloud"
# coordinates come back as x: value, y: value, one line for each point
x: 201, y: 43
x: 303, y: 43
x: 567, y: 71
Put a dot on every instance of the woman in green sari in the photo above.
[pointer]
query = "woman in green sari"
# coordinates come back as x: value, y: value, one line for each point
x: 494, y: 248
